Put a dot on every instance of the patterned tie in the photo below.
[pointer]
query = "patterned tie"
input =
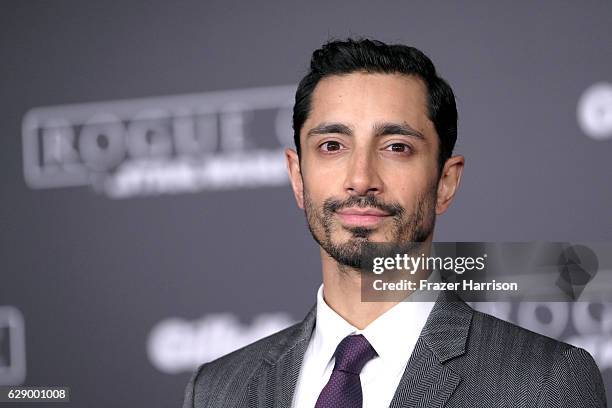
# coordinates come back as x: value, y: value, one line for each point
x: 343, y: 390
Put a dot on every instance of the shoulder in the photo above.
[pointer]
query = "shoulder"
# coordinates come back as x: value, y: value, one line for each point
x: 218, y: 380
x: 500, y: 334
x: 556, y: 373
x: 511, y: 342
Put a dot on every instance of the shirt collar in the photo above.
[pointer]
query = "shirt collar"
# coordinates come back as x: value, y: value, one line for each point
x: 330, y: 328
x: 393, y: 334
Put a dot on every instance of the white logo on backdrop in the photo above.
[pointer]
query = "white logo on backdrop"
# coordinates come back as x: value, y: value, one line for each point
x: 12, y: 346
x: 595, y: 111
x: 176, y: 345
x: 172, y: 144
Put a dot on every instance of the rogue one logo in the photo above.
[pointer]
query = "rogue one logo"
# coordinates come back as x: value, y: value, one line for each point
x: 174, y: 144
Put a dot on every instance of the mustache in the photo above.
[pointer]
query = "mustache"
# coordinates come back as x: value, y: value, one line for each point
x: 331, y: 205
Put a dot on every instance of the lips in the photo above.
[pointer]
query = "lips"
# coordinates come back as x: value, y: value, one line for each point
x: 362, y: 216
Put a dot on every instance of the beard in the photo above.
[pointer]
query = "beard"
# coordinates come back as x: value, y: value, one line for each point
x: 404, y: 235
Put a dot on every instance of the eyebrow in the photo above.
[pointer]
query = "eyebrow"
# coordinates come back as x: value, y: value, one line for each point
x: 404, y: 129
x: 380, y: 129
x: 325, y: 128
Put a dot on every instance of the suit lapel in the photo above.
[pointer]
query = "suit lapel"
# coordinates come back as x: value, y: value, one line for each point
x: 427, y: 382
x: 274, y: 383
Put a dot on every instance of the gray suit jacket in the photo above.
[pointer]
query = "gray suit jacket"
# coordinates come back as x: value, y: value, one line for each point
x: 463, y: 358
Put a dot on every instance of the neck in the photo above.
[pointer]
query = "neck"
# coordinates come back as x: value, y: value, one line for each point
x: 342, y: 292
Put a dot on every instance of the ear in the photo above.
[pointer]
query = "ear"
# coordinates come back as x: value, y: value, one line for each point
x: 449, y: 182
x: 295, y: 176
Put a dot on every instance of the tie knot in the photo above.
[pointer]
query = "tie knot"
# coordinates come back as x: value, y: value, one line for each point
x: 352, y: 353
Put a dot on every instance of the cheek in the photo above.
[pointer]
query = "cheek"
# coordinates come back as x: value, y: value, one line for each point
x: 322, y: 182
x: 406, y: 186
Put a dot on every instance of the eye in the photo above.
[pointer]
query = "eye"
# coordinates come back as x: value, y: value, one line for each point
x: 399, y: 148
x: 331, y: 146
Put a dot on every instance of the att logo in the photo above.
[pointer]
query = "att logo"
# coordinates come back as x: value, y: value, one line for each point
x: 164, y: 145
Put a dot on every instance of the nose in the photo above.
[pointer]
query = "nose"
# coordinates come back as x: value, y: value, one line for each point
x: 362, y: 176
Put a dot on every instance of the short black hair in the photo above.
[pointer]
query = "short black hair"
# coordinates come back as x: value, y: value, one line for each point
x: 371, y: 56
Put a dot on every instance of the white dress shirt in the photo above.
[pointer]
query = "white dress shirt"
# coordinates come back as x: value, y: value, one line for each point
x: 393, y: 335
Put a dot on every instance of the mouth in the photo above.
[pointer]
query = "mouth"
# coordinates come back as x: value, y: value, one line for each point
x: 362, y: 216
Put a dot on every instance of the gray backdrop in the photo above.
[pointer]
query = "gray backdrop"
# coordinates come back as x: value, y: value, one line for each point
x: 119, y: 298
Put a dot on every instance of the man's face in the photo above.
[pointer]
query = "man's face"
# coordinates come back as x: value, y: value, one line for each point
x: 368, y: 163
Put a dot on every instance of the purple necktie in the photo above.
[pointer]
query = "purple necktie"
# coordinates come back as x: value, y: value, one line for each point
x: 343, y: 390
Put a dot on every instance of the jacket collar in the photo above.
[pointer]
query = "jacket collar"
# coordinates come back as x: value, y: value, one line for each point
x: 447, y: 327
x: 298, y: 337
x: 426, y: 380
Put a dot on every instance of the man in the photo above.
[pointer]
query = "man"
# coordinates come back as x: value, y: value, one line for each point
x: 374, y: 131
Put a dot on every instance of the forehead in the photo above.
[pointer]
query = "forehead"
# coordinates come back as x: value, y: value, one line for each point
x: 364, y: 98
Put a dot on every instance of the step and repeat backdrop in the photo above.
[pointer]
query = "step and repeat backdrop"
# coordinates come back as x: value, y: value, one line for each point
x: 146, y: 219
